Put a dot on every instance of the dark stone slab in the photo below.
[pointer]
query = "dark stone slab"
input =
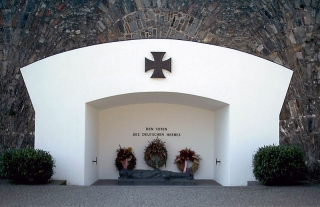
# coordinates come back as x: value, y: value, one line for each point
x: 127, y: 181
x: 52, y: 182
x: 154, y: 177
x: 110, y: 182
x: 298, y: 183
x: 57, y: 182
x: 105, y: 182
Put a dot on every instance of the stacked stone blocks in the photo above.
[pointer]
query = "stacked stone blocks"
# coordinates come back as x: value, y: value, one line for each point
x: 285, y: 32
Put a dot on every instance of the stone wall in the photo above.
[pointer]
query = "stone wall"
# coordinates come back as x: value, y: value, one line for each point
x: 286, y: 32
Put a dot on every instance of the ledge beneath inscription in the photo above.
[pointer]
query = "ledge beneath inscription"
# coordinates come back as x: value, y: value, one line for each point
x: 154, y: 177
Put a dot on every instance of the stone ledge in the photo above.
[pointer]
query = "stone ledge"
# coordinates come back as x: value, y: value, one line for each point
x: 125, y: 181
x: 52, y: 182
x: 57, y: 182
x: 111, y: 182
x: 298, y: 183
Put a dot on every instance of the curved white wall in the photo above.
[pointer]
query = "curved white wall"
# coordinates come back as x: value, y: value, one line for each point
x: 61, y: 86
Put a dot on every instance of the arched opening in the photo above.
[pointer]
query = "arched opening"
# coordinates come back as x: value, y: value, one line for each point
x: 131, y: 120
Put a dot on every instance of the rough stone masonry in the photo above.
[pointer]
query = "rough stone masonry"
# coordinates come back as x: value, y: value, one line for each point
x: 286, y: 32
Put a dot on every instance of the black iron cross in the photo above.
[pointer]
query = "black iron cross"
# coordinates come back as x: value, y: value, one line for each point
x: 158, y: 65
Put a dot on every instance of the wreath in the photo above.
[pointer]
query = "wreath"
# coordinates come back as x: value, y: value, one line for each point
x: 183, y: 158
x: 156, y: 154
x: 125, y: 159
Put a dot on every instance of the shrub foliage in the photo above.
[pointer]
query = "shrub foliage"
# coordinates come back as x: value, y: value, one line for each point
x: 32, y: 166
x: 277, y: 165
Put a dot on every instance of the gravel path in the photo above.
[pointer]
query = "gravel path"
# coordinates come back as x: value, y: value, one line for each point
x: 54, y: 195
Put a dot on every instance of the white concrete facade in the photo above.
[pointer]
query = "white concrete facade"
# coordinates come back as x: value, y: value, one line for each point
x: 80, y: 95
x: 193, y: 126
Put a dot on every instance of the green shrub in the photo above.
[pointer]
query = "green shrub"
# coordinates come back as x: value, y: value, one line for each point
x: 278, y: 165
x: 27, y: 166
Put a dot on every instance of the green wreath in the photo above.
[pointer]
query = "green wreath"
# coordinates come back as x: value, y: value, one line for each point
x: 125, y: 157
x: 156, y: 154
x: 185, y: 155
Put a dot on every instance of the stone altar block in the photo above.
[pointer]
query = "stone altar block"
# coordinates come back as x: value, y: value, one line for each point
x: 155, y: 177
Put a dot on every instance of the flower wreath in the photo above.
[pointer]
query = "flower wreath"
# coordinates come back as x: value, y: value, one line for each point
x: 156, y: 154
x: 125, y: 159
x: 183, y: 158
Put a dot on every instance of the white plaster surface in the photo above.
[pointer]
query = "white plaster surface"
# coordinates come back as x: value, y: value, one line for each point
x: 60, y: 87
x: 118, y: 124
x: 91, y: 147
x: 221, y: 146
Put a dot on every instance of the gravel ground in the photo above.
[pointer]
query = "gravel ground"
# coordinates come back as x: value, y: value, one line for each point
x: 55, y: 195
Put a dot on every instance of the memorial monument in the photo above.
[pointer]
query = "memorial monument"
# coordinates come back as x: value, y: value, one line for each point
x: 88, y: 101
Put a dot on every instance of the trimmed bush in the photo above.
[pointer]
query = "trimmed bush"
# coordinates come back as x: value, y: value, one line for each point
x: 30, y: 166
x: 279, y: 165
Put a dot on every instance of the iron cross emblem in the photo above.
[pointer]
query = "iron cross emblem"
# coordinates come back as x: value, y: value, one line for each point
x: 158, y: 65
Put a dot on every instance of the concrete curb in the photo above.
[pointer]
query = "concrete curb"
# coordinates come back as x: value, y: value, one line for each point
x: 52, y: 182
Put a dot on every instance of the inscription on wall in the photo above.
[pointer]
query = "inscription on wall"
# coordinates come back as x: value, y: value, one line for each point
x: 156, y: 132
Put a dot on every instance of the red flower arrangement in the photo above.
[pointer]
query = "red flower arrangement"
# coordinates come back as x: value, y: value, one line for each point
x: 125, y: 159
x: 185, y: 156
